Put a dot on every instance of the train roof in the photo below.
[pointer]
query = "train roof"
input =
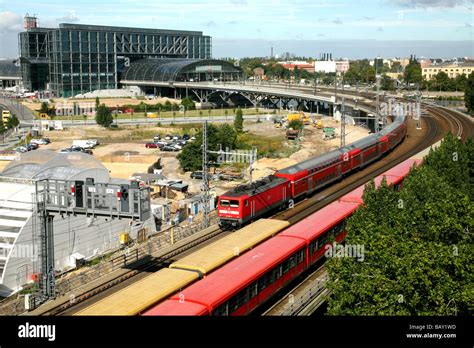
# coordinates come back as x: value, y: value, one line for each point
x: 364, y: 142
x: 393, y: 176
x: 215, y: 254
x: 142, y: 294
x: 178, y: 308
x: 223, y: 283
x: 326, y: 218
x: 255, y: 187
x: 312, y: 162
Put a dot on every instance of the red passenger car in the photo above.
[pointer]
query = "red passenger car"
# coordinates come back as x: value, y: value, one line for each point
x: 322, y: 228
x: 241, y: 285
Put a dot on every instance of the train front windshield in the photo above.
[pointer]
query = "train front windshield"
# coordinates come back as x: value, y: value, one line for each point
x: 229, y: 203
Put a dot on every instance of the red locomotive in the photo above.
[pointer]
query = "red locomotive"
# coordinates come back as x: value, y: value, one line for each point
x: 249, y: 202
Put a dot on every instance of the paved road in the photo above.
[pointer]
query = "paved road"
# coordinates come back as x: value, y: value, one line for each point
x: 153, y: 121
x: 22, y: 112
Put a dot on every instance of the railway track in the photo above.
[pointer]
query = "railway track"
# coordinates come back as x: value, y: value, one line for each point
x: 305, y: 296
x: 310, y: 291
x: 304, y: 208
x: 141, y: 268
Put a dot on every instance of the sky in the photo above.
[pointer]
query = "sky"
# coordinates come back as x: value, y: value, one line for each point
x: 352, y: 29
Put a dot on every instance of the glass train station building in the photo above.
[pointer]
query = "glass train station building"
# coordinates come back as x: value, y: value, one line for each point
x: 74, y: 59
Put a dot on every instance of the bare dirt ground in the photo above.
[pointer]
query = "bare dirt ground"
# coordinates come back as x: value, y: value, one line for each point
x: 123, y: 151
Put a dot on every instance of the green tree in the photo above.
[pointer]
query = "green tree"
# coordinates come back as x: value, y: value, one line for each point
x: 469, y: 94
x: 104, y: 116
x: 2, y: 127
x: 44, y: 108
x: 13, y: 122
x: 387, y: 84
x: 296, y: 125
x: 190, y: 158
x: 418, y: 248
x: 442, y: 81
x: 188, y: 103
x: 459, y: 83
x: 360, y: 72
x: 97, y: 103
x: 413, y: 72
x: 239, y: 121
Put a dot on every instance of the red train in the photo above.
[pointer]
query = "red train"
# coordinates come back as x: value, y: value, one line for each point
x: 248, y: 202
x: 242, y: 285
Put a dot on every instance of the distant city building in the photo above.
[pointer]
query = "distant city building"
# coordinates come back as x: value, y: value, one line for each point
x: 424, y: 63
x: 403, y: 61
x: 74, y: 59
x: 286, y: 56
x: 452, y: 70
x: 302, y: 65
x: 394, y: 75
x: 10, y: 75
x: 326, y: 66
x: 342, y: 66
x: 259, y: 73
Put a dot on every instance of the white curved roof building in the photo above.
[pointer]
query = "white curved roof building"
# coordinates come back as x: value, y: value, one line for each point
x: 73, y: 235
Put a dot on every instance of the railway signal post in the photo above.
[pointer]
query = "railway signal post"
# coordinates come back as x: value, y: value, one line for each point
x: 64, y: 197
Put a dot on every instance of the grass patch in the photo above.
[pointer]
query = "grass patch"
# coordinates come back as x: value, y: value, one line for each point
x: 270, y: 147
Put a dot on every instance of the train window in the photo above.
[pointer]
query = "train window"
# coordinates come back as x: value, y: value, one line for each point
x: 253, y: 290
x: 300, y: 256
x: 246, y: 202
x: 313, y: 246
x: 233, y: 304
x: 278, y: 273
x: 292, y: 262
x: 222, y: 310
x: 234, y: 204
x: 224, y: 203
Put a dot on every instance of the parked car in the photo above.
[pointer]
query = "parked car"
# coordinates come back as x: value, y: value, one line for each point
x: 169, y: 148
x: 176, y: 146
x: 168, y: 137
x: 151, y: 145
x: 32, y: 146
x: 21, y: 149
x: 176, y: 137
x: 94, y: 142
x: 81, y: 149
x: 76, y: 149
x: 186, y: 137
x: 196, y: 175
x: 42, y: 141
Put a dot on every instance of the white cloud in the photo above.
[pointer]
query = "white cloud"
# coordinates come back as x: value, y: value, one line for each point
x: 429, y: 3
x: 71, y: 17
x: 10, y: 22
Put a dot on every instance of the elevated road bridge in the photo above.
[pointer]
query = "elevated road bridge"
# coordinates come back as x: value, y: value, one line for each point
x: 253, y: 95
